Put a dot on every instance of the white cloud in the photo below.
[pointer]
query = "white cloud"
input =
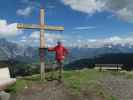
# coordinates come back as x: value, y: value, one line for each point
x: 25, y: 12
x: 53, y: 37
x: 8, y: 30
x: 35, y: 36
x: 92, y: 40
x: 97, y: 43
x: 51, y: 40
x: 125, y: 14
x: 87, y: 6
x: 84, y: 28
x: 123, y: 9
x: 29, y: 5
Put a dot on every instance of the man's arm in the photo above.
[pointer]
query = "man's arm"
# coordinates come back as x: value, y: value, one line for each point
x: 65, y: 51
x: 51, y: 49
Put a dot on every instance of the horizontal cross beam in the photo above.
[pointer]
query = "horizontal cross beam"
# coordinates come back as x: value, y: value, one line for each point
x: 54, y: 28
x: 34, y: 26
x: 28, y: 26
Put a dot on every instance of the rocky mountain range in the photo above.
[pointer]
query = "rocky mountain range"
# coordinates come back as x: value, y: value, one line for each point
x: 10, y: 50
x: 81, y: 53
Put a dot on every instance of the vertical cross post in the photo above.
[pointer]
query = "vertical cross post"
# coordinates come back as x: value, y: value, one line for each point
x: 42, y: 45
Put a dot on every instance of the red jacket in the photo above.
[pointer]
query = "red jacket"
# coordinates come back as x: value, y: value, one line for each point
x: 60, y: 51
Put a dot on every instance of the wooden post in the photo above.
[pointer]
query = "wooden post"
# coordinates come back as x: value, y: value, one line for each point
x: 42, y: 45
x: 100, y: 68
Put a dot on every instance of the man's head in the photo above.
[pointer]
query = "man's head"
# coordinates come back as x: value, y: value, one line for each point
x: 59, y: 43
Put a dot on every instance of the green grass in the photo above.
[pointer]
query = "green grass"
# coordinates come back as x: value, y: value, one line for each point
x: 125, y: 74
x: 24, y: 82
x: 113, y: 98
x: 82, y: 77
x: 79, y: 80
x: 20, y: 84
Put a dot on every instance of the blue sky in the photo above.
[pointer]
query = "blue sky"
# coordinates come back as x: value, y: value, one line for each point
x: 91, y: 23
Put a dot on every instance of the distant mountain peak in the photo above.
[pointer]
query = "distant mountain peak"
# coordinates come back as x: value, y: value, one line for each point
x: 12, y: 50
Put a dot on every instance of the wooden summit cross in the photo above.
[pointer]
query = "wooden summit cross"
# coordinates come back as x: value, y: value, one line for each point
x: 41, y: 27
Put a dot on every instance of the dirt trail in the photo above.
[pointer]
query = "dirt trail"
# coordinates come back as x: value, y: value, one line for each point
x: 50, y: 91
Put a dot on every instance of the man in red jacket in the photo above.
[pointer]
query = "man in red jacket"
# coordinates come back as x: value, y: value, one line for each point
x: 60, y: 52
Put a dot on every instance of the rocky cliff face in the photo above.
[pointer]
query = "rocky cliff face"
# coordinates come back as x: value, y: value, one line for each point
x: 10, y: 50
